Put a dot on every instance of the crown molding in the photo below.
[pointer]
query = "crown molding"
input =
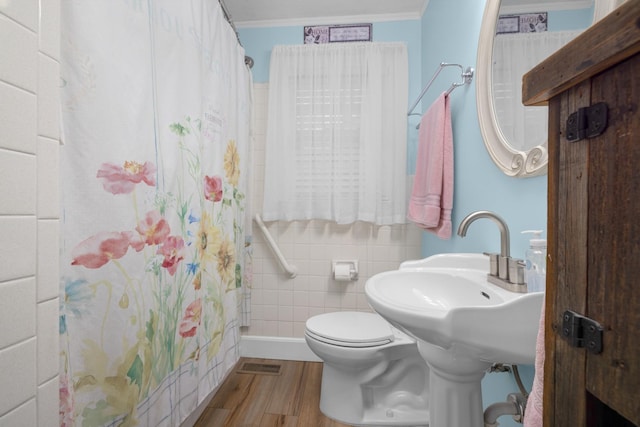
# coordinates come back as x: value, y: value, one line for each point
x: 328, y: 20
x: 543, y: 6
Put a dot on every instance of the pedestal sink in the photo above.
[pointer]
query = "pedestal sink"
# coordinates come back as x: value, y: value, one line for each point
x: 462, y: 323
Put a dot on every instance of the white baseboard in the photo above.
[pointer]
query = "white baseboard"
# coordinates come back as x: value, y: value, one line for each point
x: 279, y: 348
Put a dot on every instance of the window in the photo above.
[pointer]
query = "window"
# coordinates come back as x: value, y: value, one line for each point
x: 336, y: 133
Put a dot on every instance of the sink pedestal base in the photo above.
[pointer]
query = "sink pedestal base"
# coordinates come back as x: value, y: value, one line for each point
x: 454, y: 384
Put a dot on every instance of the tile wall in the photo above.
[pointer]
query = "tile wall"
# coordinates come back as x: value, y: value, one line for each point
x: 29, y: 212
x: 281, y: 305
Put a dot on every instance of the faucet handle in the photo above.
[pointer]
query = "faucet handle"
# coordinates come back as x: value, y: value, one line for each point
x: 493, y: 263
x: 516, y: 271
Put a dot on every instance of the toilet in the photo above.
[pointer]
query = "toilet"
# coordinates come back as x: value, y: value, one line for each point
x: 373, y: 374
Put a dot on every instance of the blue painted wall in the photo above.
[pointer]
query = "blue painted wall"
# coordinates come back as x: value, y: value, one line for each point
x: 450, y: 34
x: 479, y: 184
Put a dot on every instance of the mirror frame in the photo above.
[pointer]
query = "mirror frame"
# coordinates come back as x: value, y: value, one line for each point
x: 511, y: 161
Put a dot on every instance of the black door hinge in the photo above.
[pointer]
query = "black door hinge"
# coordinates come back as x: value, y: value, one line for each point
x: 581, y: 331
x: 587, y: 122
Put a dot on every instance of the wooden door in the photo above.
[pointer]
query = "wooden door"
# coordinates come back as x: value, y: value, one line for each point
x: 594, y: 255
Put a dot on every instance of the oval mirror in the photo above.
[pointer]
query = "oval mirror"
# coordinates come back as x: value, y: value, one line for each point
x: 516, y: 136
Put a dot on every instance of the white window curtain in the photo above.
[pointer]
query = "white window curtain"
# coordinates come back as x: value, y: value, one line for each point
x: 513, y: 56
x: 337, y: 133
x: 602, y: 8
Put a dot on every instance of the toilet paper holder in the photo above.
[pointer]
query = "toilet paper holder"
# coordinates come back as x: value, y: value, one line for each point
x: 344, y: 270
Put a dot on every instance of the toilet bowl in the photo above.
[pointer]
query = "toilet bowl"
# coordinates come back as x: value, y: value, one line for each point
x: 372, y: 375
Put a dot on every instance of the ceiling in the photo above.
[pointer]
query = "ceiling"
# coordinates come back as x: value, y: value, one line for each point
x: 257, y: 13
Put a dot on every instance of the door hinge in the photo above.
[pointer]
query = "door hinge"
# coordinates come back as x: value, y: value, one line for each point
x: 581, y: 331
x: 587, y: 122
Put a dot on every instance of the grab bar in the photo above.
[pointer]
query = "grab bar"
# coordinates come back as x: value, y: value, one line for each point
x: 289, y: 269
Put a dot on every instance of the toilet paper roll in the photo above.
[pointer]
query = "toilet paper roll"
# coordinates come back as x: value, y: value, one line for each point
x: 342, y: 272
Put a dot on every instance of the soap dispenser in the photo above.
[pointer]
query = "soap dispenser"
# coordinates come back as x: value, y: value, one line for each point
x: 536, y: 262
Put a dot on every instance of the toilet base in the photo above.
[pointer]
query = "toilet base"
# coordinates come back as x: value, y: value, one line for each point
x: 390, y: 394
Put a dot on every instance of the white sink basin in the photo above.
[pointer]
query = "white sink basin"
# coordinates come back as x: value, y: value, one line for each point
x: 446, y: 300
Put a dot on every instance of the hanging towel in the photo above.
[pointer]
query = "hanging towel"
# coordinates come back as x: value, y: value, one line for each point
x: 533, y: 414
x: 432, y: 194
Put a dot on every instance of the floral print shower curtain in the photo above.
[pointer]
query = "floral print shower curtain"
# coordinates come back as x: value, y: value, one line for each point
x: 156, y: 245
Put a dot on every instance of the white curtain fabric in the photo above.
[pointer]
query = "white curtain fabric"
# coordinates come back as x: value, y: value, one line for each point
x: 513, y: 56
x: 154, y: 172
x: 337, y: 133
x: 602, y: 8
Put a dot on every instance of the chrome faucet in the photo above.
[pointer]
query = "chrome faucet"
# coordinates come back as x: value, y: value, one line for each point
x: 504, y: 229
x: 504, y: 271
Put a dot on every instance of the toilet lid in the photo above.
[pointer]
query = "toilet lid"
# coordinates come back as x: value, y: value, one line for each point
x: 350, y: 329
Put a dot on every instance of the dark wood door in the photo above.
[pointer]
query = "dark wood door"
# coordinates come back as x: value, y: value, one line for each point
x: 594, y: 254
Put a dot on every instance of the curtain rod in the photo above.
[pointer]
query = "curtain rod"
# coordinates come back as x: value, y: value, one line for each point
x: 227, y: 16
x: 247, y: 59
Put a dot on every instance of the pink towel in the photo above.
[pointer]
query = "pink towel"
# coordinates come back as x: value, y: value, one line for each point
x: 533, y: 414
x: 432, y: 194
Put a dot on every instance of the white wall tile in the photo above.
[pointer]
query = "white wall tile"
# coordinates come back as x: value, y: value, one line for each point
x: 333, y: 301
x: 285, y: 329
x: 18, y: 119
x: 49, y: 34
x: 23, y: 11
x: 48, y: 258
x: 18, y: 249
x: 270, y: 313
x: 300, y: 299
x: 349, y: 301
x: 19, y: 65
x: 298, y: 329
x: 23, y: 416
x: 285, y: 314
x: 48, y: 97
x: 17, y: 311
x: 257, y: 313
x: 316, y: 299
x: 269, y: 297
x: 17, y: 183
x: 270, y: 328
x: 29, y: 85
x: 48, y: 340
x: 48, y: 404
x: 48, y: 197
x: 285, y: 297
x: 300, y: 313
x: 16, y: 369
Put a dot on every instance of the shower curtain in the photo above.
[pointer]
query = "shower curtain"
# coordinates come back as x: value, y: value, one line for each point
x: 155, y: 238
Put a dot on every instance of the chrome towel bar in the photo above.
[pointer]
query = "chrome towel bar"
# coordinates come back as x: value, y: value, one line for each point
x: 466, y: 75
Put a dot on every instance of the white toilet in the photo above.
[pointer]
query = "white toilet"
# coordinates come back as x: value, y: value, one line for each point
x: 373, y: 374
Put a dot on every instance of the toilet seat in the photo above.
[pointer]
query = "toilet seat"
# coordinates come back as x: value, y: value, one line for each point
x: 350, y: 329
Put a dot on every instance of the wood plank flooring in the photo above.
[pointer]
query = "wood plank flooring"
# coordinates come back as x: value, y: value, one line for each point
x: 290, y: 399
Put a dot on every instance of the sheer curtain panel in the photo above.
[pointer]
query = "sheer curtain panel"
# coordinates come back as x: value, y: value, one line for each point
x: 513, y: 56
x: 337, y: 133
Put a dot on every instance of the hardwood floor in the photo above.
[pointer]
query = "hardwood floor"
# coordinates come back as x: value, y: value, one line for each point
x: 288, y: 399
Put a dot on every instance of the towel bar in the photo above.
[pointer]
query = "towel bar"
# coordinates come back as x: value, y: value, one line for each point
x: 466, y: 74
